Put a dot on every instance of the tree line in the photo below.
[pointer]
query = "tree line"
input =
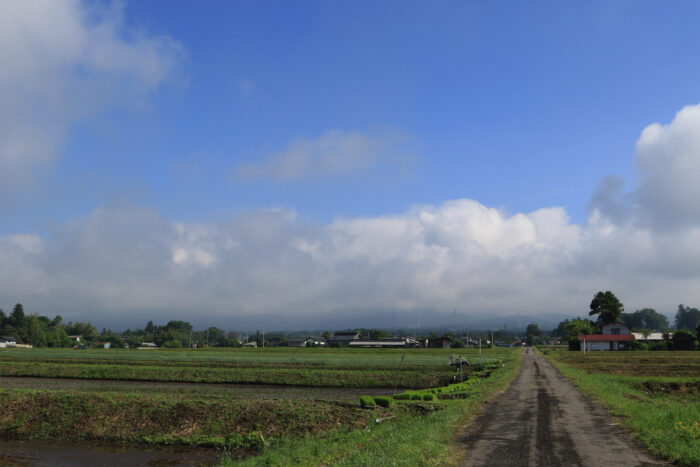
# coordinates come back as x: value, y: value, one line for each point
x: 42, y: 331
x: 608, y: 309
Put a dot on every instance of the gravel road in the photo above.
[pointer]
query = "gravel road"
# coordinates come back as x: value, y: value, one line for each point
x: 543, y: 420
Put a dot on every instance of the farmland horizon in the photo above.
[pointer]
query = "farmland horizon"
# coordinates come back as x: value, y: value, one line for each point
x: 408, y: 322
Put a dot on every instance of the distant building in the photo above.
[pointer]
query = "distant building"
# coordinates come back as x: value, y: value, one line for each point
x: 616, y: 329
x: 275, y: 342
x: 8, y: 341
x: 380, y: 343
x: 251, y: 344
x: 343, y: 337
x: 443, y: 342
x: 296, y: 342
x: 313, y: 341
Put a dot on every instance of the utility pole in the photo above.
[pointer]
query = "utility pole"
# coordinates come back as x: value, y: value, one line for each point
x: 480, y: 347
x: 467, y: 336
x: 263, y: 339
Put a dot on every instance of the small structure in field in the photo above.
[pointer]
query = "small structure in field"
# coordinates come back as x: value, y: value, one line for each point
x: 296, y: 342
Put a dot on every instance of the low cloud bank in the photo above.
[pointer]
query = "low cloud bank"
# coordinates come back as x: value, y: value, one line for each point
x: 133, y: 264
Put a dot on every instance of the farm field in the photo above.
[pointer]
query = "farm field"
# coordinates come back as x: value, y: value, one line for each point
x: 345, y: 368
x: 374, y: 358
x: 307, y: 397
x: 655, y: 394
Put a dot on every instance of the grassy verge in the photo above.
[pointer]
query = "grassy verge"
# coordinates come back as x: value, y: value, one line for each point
x: 663, y: 412
x: 420, y: 433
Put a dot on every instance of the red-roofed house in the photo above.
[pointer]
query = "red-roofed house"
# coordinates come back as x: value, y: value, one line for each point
x: 605, y: 341
x: 614, y: 337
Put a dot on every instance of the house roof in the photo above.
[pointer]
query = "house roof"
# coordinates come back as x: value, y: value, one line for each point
x: 606, y: 337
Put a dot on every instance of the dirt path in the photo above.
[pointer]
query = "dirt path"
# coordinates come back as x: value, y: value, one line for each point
x: 542, y: 420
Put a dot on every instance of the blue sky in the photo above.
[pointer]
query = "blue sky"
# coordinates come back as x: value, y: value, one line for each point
x: 516, y: 106
x: 205, y: 113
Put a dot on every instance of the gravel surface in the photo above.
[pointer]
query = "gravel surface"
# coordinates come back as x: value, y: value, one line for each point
x: 543, y: 420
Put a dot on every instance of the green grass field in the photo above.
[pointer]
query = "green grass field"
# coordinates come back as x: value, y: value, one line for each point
x: 656, y: 394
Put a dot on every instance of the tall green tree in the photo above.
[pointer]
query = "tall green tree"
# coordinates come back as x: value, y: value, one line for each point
x: 571, y: 329
x: 533, y: 333
x: 607, y: 306
x: 687, y: 318
x: 646, y: 318
x: 36, y: 333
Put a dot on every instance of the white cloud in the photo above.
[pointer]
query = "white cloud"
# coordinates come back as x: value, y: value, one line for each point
x: 668, y: 158
x: 667, y: 194
x: 334, y: 153
x: 460, y: 255
x: 61, y: 61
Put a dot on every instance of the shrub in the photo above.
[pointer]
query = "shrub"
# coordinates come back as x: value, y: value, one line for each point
x: 429, y: 397
x: 403, y: 396
x: 367, y: 401
x: 416, y: 396
x: 683, y: 339
x: 384, y: 401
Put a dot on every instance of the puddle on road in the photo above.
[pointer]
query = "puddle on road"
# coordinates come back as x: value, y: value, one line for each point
x: 17, y: 453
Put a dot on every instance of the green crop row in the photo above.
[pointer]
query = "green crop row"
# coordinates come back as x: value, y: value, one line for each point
x: 357, y: 378
x: 447, y: 392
